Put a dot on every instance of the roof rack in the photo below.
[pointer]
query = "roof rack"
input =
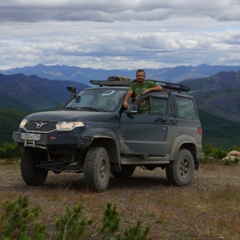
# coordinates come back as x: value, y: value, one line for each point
x: 113, y: 81
x: 174, y: 86
x: 167, y: 85
x: 119, y: 78
x: 110, y: 83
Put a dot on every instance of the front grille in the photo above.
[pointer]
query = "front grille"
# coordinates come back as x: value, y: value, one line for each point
x: 40, y: 126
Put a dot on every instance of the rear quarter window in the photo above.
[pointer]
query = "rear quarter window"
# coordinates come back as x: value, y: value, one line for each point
x: 186, y: 108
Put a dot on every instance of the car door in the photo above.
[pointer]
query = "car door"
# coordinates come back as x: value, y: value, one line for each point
x: 145, y: 133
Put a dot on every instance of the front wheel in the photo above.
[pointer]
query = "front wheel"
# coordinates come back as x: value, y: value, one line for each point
x: 180, y: 171
x: 32, y: 175
x: 97, y: 169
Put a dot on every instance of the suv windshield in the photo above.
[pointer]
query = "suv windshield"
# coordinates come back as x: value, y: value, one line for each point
x: 97, y: 100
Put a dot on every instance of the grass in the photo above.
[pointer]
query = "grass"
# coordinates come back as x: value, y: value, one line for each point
x: 206, y: 209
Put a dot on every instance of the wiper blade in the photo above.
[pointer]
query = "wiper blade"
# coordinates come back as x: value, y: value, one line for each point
x: 93, y: 109
x: 71, y: 108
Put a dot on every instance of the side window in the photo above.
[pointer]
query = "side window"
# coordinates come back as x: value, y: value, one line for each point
x: 158, y: 106
x: 185, y: 108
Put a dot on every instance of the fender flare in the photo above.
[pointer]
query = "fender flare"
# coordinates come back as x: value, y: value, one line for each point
x: 178, y: 142
x: 96, y: 133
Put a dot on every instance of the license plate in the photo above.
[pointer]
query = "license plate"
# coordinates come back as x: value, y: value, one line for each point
x: 30, y: 136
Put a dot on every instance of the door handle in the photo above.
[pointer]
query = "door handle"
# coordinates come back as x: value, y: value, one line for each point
x: 160, y: 120
x: 172, y: 121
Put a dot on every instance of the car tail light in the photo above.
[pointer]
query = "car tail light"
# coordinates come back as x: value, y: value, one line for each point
x: 200, y: 130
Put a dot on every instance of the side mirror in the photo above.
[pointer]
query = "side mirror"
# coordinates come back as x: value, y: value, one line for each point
x: 73, y: 91
x: 132, y: 109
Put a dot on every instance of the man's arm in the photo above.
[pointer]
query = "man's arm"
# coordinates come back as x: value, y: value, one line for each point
x: 157, y: 88
x: 127, y: 97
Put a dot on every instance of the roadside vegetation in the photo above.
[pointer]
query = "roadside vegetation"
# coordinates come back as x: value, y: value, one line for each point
x: 212, y: 154
x: 19, y: 221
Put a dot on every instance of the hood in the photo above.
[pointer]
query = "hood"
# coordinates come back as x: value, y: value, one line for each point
x: 72, y: 116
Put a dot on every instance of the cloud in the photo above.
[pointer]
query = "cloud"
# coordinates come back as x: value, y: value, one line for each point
x: 119, y: 34
x: 121, y: 10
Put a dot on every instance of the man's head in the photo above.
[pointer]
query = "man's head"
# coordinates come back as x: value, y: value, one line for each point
x: 140, y: 75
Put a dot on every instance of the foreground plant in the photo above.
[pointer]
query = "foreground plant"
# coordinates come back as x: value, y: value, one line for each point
x: 10, y: 150
x: 110, y: 221
x: 17, y: 221
x: 71, y: 226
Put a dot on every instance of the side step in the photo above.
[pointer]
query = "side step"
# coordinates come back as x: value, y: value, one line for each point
x: 145, y: 160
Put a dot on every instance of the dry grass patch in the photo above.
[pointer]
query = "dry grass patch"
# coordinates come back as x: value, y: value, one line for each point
x: 206, y: 209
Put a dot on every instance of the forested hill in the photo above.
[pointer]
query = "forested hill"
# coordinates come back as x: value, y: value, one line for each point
x: 33, y: 93
x: 218, y: 95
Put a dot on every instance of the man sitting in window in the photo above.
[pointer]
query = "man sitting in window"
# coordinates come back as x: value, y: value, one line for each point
x: 139, y: 88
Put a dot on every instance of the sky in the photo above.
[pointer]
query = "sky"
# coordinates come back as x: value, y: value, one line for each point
x: 119, y: 34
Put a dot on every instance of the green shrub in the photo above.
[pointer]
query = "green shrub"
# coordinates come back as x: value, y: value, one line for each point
x: 213, y: 154
x: 135, y: 233
x: 110, y: 221
x: 2, y: 152
x: 17, y: 221
x: 237, y: 148
x: 10, y: 150
x: 71, y: 226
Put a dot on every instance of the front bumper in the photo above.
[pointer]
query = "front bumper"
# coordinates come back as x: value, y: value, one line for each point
x: 54, y: 140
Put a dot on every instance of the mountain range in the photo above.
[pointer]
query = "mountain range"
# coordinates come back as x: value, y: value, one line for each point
x: 83, y: 75
x: 32, y: 93
x: 218, y: 95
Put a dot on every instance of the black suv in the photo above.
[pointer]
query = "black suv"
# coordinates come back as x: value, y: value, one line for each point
x: 94, y: 134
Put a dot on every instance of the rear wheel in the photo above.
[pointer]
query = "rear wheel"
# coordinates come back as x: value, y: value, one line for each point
x: 126, y: 172
x: 32, y: 175
x: 97, y: 169
x: 180, y: 171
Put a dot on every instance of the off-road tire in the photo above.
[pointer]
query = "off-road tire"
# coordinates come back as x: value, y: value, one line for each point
x: 126, y: 172
x: 180, y: 171
x: 97, y: 169
x: 31, y: 175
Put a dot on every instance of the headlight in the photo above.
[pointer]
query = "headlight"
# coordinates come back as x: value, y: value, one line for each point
x: 23, y: 123
x: 68, y: 126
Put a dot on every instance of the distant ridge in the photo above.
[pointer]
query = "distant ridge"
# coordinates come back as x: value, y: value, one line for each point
x: 83, y: 75
x: 218, y: 95
x: 33, y: 93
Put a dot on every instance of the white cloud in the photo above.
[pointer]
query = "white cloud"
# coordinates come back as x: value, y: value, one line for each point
x: 119, y: 34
